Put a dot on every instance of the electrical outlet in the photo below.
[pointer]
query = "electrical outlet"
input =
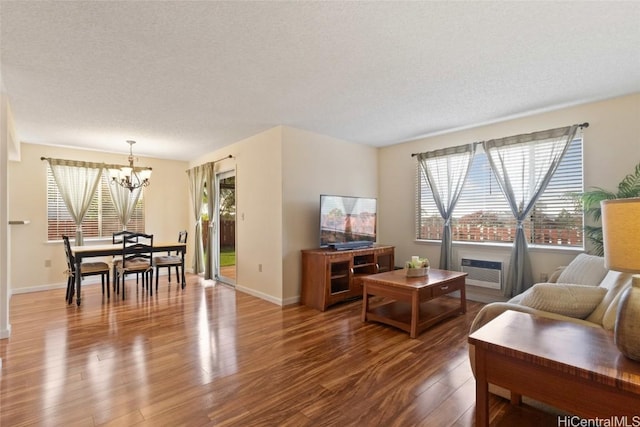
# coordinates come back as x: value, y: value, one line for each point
x: 259, y: 268
x: 544, y: 277
x: 47, y: 263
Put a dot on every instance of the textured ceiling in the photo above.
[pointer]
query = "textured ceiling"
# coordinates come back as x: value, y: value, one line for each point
x: 186, y: 78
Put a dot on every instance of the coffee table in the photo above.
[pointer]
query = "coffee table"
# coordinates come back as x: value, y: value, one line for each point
x: 576, y: 368
x: 409, y: 301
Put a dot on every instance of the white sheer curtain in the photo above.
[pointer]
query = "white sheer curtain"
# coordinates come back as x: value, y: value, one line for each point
x: 523, y: 166
x: 446, y: 171
x: 210, y: 178
x: 196, y: 189
x: 77, y: 183
x: 124, y: 200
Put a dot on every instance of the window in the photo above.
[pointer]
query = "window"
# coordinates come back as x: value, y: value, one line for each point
x: 101, y: 219
x: 482, y: 213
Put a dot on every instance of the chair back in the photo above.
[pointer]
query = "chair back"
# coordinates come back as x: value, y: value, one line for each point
x: 138, y: 247
x: 71, y: 262
x: 118, y: 235
x: 182, y: 238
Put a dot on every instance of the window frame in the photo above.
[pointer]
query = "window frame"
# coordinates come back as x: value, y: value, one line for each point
x: 570, y: 207
x: 105, y: 221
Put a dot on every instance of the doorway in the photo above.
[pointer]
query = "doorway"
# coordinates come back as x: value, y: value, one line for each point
x: 225, y: 238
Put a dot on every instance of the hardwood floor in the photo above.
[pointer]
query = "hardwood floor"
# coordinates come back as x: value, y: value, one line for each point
x: 209, y: 355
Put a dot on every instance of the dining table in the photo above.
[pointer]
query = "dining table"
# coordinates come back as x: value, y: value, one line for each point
x: 91, y: 251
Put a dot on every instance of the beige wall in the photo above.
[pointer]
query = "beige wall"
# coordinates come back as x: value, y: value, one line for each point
x: 258, y: 164
x: 6, y: 130
x: 280, y: 175
x: 166, y: 211
x: 312, y: 165
x: 611, y: 151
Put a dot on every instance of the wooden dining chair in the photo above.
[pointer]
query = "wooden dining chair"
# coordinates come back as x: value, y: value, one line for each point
x: 86, y: 269
x: 136, y: 257
x: 116, y: 239
x: 171, y: 260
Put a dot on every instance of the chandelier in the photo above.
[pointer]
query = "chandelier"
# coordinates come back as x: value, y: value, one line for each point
x: 130, y: 177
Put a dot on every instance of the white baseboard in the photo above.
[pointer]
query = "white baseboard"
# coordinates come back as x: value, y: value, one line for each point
x: 278, y: 301
x: 5, y: 333
x: 90, y: 280
x: 260, y: 295
x: 291, y: 301
x: 95, y: 280
x: 39, y: 288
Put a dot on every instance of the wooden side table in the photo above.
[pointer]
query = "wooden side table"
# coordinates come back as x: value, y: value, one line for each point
x: 572, y: 367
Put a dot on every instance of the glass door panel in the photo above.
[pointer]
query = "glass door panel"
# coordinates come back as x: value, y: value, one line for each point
x: 226, y: 227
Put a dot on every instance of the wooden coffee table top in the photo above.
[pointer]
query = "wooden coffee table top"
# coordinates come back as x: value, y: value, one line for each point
x: 579, y: 350
x: 399, y: 279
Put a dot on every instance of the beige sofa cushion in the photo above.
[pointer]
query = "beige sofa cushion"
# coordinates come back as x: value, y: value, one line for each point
x: 584, y: 270
x: 576, y: 301
x: 614, y: 282
x: 609, y: 318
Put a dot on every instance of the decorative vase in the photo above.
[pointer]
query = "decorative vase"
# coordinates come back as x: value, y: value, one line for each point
x: 417, y: 272
x: 627, y: 328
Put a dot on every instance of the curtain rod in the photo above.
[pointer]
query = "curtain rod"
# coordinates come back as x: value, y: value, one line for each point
x: 581, y: 126
x: 97, y: 165
x: 217, y: 161
x: 223, y: 158
x: 213, y: 162
x: 474, y: 143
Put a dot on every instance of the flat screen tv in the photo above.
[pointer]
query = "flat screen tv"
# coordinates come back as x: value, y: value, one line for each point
x: 347, y: 222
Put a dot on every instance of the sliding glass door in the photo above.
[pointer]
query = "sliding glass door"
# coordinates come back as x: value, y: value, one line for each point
x: 225, y: 232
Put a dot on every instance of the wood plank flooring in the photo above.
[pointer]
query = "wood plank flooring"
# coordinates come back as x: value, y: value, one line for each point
x: 208, y: 355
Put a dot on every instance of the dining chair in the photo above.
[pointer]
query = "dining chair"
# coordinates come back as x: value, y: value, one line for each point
x: 136, y: 257
x: 86, y: 269
x: 116, y: 239
x: 171, y: 260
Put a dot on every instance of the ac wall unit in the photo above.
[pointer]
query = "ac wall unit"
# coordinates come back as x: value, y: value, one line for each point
x: 483, y: 273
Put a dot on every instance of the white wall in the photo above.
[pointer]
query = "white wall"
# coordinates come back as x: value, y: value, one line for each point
x: 166, y: 211
x: 611, y: 151
x: 312, y: 165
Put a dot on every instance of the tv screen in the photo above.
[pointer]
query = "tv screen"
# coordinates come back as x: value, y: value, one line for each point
x: 347, y: 221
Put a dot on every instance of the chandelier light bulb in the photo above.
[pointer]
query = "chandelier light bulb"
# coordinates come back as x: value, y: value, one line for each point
x: 127, y: 176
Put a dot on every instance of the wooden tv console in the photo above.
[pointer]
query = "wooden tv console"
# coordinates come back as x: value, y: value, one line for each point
x: 330, y: 276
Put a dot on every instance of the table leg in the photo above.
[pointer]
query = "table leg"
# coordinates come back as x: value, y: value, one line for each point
x: 415, y: 314
x: 365, y: 302
x: 482, y: 390
x: 516, y: 399
x: 71, y: 291
x: 78, y: 279
x: 463, y: 299
x: 183, y: 275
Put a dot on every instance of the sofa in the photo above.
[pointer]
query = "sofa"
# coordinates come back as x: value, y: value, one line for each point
x: 583, y: 292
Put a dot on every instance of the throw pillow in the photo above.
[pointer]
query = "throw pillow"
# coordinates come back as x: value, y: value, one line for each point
x: 609, y: 318
x: 614, y: 282
x: 576, y: 301
x: 584, y: 270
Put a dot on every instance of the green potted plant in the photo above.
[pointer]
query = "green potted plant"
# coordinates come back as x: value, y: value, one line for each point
x: 629, y: 187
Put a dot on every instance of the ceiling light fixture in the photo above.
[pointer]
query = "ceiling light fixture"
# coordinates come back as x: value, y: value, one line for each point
x: 131, y: 177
